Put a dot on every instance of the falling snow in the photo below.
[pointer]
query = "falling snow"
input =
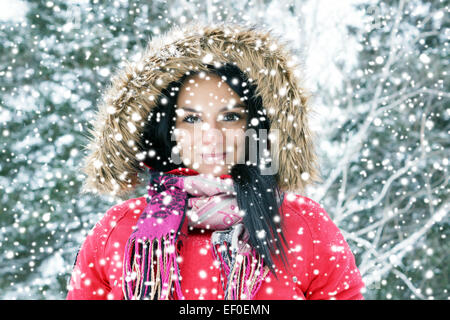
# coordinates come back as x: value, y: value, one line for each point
x: 379, y: 76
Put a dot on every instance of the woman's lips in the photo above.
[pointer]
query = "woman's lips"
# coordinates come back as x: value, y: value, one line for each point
x: 214, y: 156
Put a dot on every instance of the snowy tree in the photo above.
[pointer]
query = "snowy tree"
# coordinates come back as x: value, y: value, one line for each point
x: 386, y: 178
x: 55, y: 63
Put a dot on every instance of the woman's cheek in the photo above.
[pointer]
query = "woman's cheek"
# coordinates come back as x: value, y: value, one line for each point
x: 185, y: 142
x: 239, y: 149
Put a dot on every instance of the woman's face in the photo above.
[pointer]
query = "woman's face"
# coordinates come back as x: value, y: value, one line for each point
x: 210, y: 125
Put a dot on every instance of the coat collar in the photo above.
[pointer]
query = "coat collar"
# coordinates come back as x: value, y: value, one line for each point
x: 187, y: 172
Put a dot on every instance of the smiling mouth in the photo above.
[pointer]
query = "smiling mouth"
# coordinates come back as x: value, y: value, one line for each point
x: 214, y: 156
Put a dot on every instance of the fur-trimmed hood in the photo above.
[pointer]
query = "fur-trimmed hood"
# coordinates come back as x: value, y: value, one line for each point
x: 112, y: 164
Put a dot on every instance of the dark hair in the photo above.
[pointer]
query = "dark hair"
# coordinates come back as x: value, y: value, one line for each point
x: 257, y: 195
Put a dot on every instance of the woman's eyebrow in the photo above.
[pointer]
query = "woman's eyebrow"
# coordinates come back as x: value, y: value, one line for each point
x: 222, y: 109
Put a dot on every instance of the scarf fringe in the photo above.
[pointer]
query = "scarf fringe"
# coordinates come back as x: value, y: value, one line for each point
x: 244, y: 273
x: 151, y: 268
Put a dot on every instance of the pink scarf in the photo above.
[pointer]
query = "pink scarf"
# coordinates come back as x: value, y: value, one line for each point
x: 150, y: 268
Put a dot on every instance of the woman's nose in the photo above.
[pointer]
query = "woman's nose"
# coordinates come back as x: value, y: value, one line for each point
x: 211, y: 134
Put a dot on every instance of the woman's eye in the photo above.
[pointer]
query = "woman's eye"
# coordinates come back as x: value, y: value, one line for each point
x: 232, y: 116
x: 191, y: 119
x: 229, y: 117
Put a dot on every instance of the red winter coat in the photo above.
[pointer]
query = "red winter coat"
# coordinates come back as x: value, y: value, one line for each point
x: 322, y: 264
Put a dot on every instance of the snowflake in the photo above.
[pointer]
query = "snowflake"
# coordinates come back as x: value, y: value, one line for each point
x: 169, y: 52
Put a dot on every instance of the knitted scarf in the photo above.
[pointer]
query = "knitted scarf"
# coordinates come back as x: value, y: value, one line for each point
x: 150, y: 268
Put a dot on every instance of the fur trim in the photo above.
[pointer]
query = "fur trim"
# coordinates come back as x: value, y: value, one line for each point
x: 112, y: 165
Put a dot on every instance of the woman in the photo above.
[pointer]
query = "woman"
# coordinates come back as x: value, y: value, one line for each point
x: 217, y: 117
